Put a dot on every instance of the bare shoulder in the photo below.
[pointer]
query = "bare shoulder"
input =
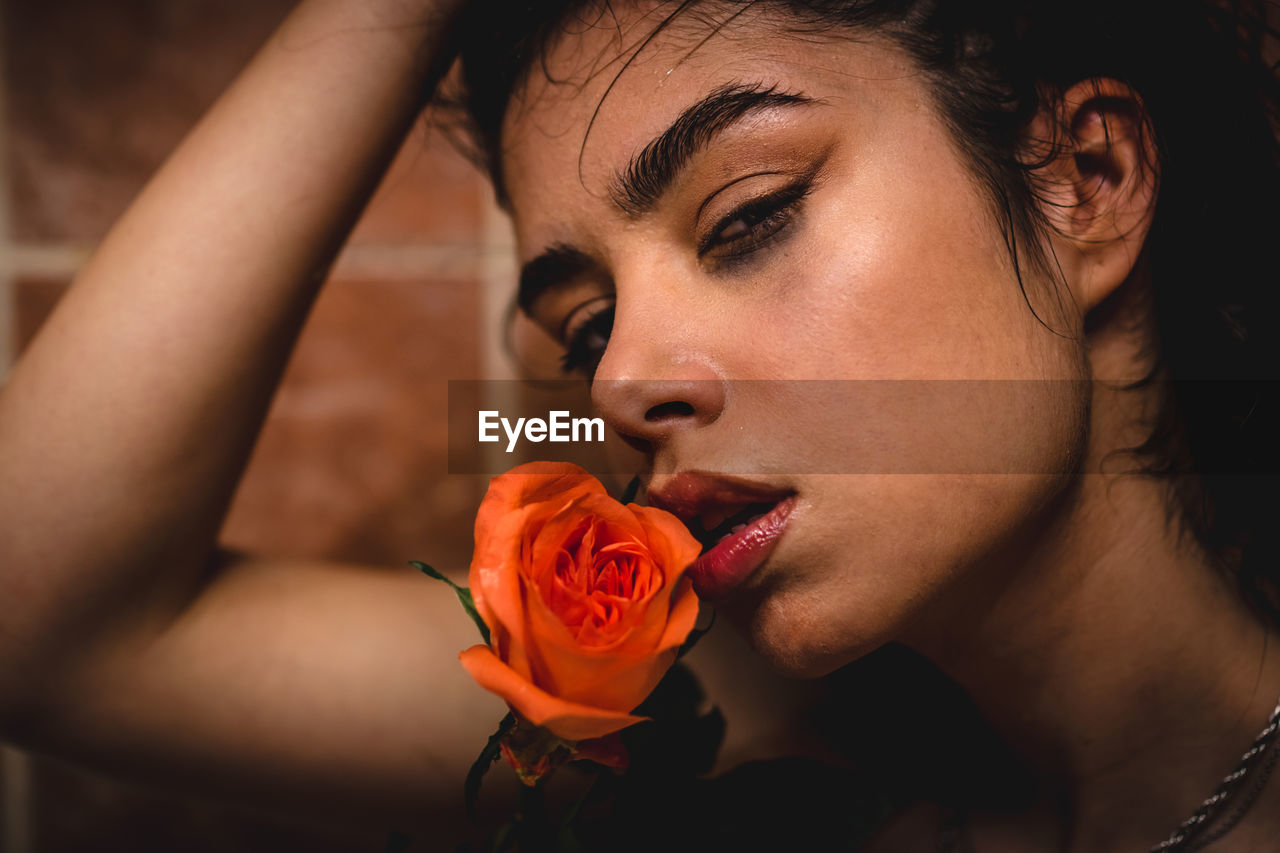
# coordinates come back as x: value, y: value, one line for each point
x: 915, y: 829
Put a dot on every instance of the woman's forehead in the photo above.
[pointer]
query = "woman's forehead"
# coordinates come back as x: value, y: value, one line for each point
x: 619, y: 76
x: 610, y: 87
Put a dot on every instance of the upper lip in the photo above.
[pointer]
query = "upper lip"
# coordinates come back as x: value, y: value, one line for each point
x: 706, y: 501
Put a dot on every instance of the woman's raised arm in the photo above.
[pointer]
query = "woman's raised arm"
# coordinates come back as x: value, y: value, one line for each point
x: 124, y: 430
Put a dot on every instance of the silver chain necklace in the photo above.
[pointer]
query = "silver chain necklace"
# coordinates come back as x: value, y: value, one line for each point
x: 954, y: 838
x: 1178, y: 839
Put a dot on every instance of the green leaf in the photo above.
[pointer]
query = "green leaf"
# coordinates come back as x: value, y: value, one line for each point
x: 488, y: 755
x: 464, y: 595
x: 694, y: 636
x: 630, y: 492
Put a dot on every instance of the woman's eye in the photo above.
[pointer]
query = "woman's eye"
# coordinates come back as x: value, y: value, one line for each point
x: 586, y: 341
x: 750, y: 226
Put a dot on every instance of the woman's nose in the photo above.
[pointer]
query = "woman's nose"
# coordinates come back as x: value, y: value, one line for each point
x: 654, y: 382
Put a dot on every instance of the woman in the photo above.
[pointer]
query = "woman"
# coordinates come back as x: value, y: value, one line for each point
x: 1029, y: 217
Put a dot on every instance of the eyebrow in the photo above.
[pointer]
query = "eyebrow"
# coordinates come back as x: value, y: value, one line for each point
x: 555, y: 266
x: 638, y: 188
x: 651, y: 172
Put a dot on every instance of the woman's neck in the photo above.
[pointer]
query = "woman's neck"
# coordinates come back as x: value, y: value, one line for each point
x: 1122, y: 667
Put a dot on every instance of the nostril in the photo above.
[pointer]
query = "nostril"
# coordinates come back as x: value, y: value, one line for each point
x: 668, y: 411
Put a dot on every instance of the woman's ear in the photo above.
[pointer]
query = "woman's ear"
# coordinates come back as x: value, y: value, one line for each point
x: 1098, y: 179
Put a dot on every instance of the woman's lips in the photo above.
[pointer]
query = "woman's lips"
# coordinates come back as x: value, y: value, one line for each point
x: 739, y: 553
x: 738, y: 521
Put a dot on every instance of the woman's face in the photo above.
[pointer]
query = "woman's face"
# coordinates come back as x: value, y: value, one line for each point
x: 778, y: 239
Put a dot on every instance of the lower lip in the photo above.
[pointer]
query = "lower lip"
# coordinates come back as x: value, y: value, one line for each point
x: 737, y: 556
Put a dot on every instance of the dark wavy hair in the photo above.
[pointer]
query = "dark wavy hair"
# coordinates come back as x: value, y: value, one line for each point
x: 1211, y: 96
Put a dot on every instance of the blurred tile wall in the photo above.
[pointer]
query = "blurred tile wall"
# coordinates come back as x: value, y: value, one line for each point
x: 352, y: 463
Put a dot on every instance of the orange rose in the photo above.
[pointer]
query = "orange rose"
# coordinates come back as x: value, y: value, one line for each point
x: 585, y: 599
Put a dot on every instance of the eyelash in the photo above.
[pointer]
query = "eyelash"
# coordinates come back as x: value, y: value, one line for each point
x: 581, y: 355
x: 765, y: 217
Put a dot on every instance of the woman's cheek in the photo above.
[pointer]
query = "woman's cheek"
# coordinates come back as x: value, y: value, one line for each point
x: 877, y: 557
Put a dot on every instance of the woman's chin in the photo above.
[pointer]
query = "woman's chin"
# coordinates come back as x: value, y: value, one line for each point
x: 798, y: 638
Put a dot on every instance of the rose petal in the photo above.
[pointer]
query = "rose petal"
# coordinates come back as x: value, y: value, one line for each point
x: 621, y: 674
x: 510, y: 505
x: 568, y: 720
x: 497, y: 590
x: 531, y: 483
x: 684, y: 615
x: 668, y: 535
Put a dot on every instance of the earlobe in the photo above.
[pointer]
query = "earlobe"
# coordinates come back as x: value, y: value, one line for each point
x: 1098, y: 184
